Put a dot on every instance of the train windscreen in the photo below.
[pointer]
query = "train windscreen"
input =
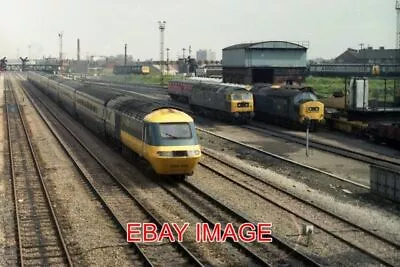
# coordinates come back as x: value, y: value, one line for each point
x: 175, y: 131
x: 305, y: 97
x: 245, y: 96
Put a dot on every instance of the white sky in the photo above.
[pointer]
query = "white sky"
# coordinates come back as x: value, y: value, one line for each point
x: 331, y: 26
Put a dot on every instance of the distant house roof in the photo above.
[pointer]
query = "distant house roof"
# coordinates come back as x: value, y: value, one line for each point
x: 353, y: 55
x: 378, y: 53
x: 266, y: 45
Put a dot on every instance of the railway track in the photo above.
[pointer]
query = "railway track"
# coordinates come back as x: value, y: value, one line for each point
x: 123, y: 85
x: 279, y: 248
x: 298, y: 257
x: 40, y: 238
x: 210, y: 221
x: 361, y: 238
x: 276, y: 253
x: 115, y: 185
x: 363, y: 157
x: 258, y: 127
x: 140, y: 88
x: 323, y: 146
x: 122, y: 205
x: 290, y: 161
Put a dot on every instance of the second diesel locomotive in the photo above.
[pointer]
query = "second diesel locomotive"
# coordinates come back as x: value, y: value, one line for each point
x: 294, y: 107
x: 164, y: 136
x: 131, y: 69
x: 219, y: 100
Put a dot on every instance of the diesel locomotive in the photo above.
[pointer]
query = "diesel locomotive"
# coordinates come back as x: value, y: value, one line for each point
x: 219, y: 100
x: 164, y: 136
x: 293, y: 106
x: 131, y: 69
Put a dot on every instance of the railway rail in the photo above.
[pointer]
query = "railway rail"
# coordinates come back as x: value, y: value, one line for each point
x: 290, y: 161
x: 122, y: 209
x: 363, y: 157
x: 323, y: 146
x: 158, y: 89
x: 190, y: 187
x: 40, y: 237
x: 377, y: 244
x: 278, y: 252
x: 256, y: 258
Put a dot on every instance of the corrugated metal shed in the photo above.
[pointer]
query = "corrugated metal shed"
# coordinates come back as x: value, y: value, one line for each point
x: 267, y: 62
x: 265, y: 54
x: 266, y: 45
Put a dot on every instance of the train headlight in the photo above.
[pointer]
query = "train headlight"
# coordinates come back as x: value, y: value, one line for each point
x: 193, y: 153
x: 165, y: 153
x: 313, y: 109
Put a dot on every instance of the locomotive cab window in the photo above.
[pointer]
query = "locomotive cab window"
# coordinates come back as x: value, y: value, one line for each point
x: 304, y: 97
x: 175, y: 131
x: 241, y: 96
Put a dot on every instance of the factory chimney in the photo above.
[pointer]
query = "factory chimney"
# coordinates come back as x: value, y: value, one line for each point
x: 78, y: 47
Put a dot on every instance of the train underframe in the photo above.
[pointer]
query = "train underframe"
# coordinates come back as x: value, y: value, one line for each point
x: 287, y: 123
x: 384, y: 129
x: 179, y: 98
x: 235, y: 117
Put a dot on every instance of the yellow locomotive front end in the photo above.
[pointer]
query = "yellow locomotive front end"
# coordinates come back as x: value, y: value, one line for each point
x: 171, y: 144
x: 242, y: 105
x: 170, y: 160
x: 145, y: 70
x: 312, y: 111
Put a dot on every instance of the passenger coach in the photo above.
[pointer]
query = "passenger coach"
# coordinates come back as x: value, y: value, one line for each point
x: 163, y: 135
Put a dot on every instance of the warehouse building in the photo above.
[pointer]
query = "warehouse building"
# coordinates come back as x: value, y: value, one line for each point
x: 264, y: 62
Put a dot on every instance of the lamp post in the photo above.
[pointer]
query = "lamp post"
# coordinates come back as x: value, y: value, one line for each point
x: 161, y: 25
x: 60, y: 35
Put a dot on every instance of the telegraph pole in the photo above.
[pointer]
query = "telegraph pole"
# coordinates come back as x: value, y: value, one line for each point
x: 60, y: 35
x: 78, y: 52
x: 168, y: 60
x: 125, y: 55
x: 162, y: 29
